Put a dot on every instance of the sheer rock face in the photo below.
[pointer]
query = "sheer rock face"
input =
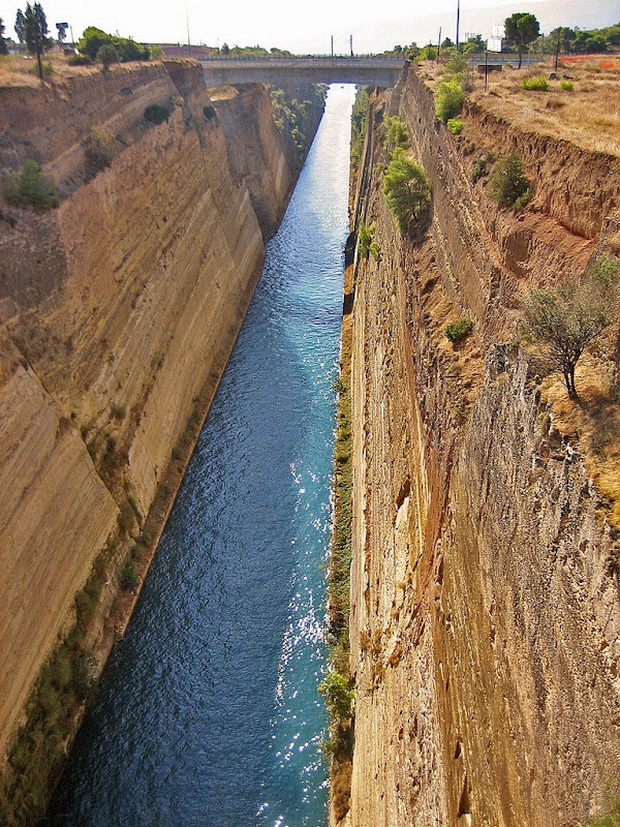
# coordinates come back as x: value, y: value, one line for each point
x: 117, y: 310
x: 485, y: 617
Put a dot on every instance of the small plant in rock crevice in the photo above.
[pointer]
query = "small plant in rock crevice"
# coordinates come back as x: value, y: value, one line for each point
x: 459, y: 331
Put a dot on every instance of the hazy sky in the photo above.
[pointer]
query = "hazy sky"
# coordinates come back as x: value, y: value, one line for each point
x: 306, y: 26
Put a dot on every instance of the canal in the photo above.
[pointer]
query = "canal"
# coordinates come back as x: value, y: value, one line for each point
x: 208, y: 712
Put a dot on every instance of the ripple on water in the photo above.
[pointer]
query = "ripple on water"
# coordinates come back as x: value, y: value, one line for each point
x: 209, y: 712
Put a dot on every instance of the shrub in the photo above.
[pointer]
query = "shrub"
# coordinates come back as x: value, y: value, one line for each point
x: 156, y: 114
x: 449, y: 99
x: 455, y: 127
x: 458, y: 331
x: 129, y: 580
x: 98, y: 148
x: 509, y: 185
x: 81, y: 60
x: 157, y: 53
x: 567, y: 85
x: 395, y: 132
x: 364, y: 239
x: 537, y: 84
x: 338, y: 696
x: 406, y: 189
x: 375, y: 250
x: 31, y: 188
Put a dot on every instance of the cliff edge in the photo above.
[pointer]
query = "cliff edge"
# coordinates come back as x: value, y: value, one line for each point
x: 118, y: 311
x: 485, y: 619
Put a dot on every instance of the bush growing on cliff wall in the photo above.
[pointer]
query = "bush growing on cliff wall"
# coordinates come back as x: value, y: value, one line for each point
x: 31, y: 188
x: 568, y: 319
x: 338, y: 694
x: 395, y: 132
x: 509, y: 185
x: 98, y: 147
x: 364, y: 239
x: 406, y: 189
x: 449, y: 99
x: 156, y: 114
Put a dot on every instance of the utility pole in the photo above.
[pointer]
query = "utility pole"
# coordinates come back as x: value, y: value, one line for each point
x: 458, y: 18
x: 189, y: 47
x: 351, y: 44
x: 438, y: 44
x: 332, y: 45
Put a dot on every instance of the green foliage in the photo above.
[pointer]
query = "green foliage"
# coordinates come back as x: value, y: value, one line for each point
x: 19, y: 25
x: 522, y: 28
x: 35, y: 32
x: 458, y: 331
x: 93, y: 39
x: 536, y: 84
x: 395, y: 132
x: 428, y: 52
x: 80, y: 60
x: 338, y: 694
x: 129, y: 580
x: 566, y: 85
x: 375, y: 250
x: 364, y: 239
x: 611, y: 815
x: 4, y: 49
x: 569, y: 318
x: 358, y: 123
x: 98, y: 147
x: 157, y: 114
x: 31, y: 188
x: 406, y: 189
x: 583, y: 41
x: 449, y: 99
x: 509, y: 185
x: 455, y: 126
x: 157, y: 53
x: 294, y: 114
x: 107, y: 55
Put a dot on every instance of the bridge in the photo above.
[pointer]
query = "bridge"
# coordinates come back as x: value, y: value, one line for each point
x: 367, y: 70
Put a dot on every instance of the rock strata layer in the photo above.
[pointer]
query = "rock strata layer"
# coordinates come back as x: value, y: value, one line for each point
x: 485, y: 620
x: 118, y: 311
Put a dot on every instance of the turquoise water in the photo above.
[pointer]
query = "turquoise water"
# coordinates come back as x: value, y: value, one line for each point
x: 209, y: 713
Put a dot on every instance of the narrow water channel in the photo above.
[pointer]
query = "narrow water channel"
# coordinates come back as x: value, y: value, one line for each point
x: 208, y: 713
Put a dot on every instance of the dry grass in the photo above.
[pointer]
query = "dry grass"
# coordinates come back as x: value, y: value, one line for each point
x: 589, y: 116
x: 21, y: 70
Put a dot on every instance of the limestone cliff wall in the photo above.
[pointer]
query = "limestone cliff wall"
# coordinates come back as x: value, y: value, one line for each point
x: 119, y: 310
x: 484, y: 597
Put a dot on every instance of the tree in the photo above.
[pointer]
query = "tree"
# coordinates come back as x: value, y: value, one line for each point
x: 406, y: 189
x: 522, y: 28
x: 31, y: 188
x: 568, y: 319
x: 106, y: 55
x: 4, y: 49
x: 19, y: 26
x: 35, y: 32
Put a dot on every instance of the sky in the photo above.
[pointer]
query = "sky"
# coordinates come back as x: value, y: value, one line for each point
x: 306, y: 27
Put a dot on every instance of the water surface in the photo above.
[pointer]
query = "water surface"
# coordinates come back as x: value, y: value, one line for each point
x: 209, y: 713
